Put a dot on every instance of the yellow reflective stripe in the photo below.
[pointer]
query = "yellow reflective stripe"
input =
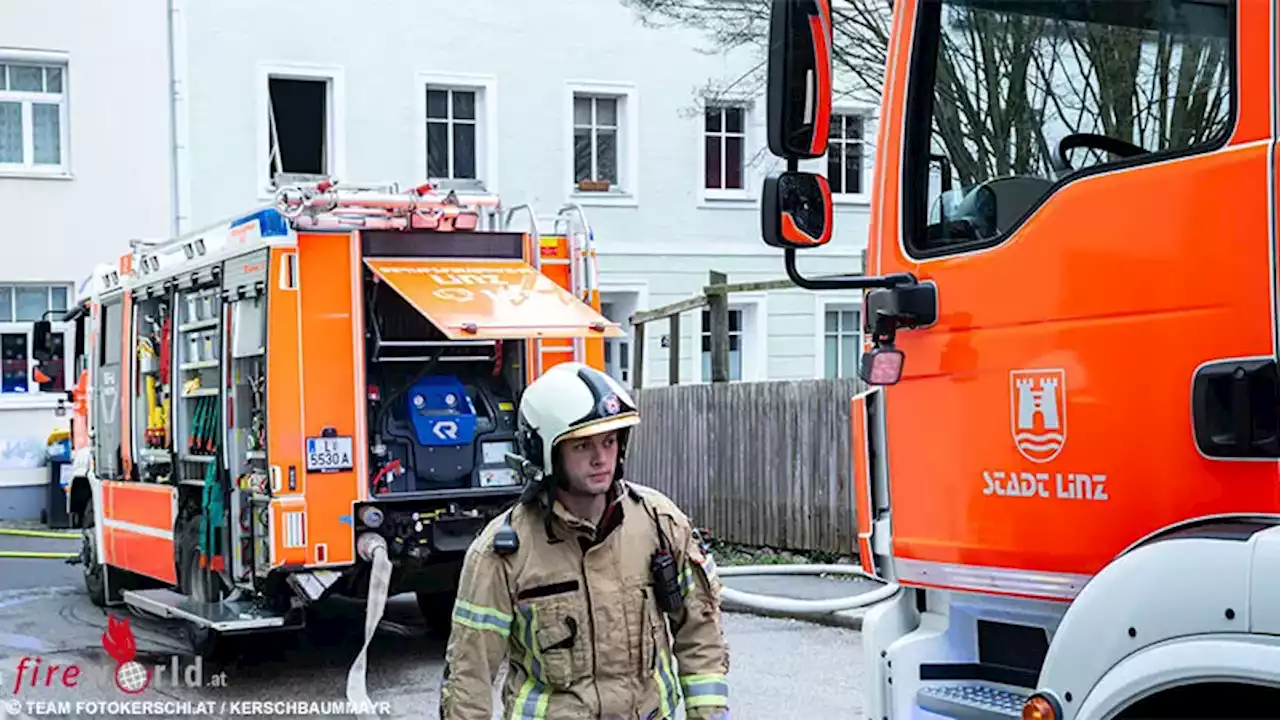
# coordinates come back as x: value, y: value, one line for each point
x: 531, y: 702
x: 686, y: 580
x: 481, y: 618
x: 710, y: 690
x: 665, y: 676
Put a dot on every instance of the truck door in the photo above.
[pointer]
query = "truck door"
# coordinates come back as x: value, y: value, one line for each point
x: 109, y: 385
x: 1090, y: 185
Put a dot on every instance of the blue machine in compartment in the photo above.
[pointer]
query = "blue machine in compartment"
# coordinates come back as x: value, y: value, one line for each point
x: 441, y: 412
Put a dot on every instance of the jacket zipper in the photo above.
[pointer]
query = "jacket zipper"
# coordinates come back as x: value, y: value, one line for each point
x: 591, y: 621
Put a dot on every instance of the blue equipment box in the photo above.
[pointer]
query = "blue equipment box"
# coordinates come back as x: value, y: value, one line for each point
x: 441, y: 411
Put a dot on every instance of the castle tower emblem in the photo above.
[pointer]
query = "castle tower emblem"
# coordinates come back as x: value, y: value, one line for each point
x: 1039, y: 412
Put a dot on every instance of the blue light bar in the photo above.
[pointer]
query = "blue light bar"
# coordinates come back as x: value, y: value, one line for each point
x: 270, y: 223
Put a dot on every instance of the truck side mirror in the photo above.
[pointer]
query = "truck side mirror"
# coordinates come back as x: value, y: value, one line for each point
x: 799, y: 86
x: 796, y: 210
x: 42, y: 340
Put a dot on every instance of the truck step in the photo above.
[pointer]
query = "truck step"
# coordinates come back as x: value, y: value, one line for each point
x: 972, y: 700
x: 226, y: 617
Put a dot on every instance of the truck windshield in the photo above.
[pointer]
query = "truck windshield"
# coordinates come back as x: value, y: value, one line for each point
x: 1018, y: 94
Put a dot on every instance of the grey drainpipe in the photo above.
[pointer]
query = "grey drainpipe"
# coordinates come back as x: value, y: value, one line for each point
x: 177, y: 117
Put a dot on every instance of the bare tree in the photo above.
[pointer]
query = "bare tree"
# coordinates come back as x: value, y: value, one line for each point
x: 1008, y: 86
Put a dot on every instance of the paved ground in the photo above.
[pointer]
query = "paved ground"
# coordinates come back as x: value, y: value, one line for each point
x: 778, y: 666
x: 21, y: 573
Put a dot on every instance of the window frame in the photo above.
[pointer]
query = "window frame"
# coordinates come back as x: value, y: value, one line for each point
x: 627, y: 191
x: 755, y: 337
x: 869, y: 127
x: 28, y: 168
x: 335, y: 123
x: 918, y: 129
x: 824, y: 302
x: 723, y: 135
x: 67, y: 331
x: 486, y: 89
x: 10, y: 325
x: 731, y: 197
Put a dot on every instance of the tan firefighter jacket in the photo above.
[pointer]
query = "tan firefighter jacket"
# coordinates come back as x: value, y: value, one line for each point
x: 582, y: 628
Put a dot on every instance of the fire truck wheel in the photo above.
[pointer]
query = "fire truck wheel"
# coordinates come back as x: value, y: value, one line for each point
x: 96, y: 575
x: 196, y: 584
x: 437, y: 611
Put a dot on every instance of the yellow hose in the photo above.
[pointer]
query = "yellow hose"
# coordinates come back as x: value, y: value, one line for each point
x: 37, y: 555
x: 41, y: 534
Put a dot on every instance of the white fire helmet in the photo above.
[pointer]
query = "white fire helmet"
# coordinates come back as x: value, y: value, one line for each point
x: 568, y: 401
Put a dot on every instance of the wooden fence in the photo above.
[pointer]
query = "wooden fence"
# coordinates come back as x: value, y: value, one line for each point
x: 760, y: 463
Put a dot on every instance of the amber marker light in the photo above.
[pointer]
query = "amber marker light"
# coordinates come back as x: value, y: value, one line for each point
x: 1039, y: 707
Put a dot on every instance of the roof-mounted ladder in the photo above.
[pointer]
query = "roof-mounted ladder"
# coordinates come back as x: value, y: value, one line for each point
x: 571, y: 223
x: 326, y: 206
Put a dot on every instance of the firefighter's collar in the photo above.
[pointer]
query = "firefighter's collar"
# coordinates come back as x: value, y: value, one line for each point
x: 613, y: 498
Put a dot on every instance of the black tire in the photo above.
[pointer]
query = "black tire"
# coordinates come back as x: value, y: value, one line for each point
x: 197, y: 584
x: 437, y: 611
x: 97, y: 576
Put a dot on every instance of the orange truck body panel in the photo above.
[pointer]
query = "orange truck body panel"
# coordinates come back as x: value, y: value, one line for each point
x: 331, y: 377
x: 138, y: 520
x: 1162, y: 280
x: 488, y: 299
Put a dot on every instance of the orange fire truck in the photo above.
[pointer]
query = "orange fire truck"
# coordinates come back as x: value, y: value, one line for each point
x: 265, y: 397
x: 1067, y: 460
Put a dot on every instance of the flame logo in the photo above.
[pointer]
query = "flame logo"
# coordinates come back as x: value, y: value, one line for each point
x: 131, y: 676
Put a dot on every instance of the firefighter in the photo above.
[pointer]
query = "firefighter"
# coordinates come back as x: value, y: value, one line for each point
x: 597, y: 588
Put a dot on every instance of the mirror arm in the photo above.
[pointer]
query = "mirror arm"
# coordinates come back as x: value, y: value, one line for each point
x: 851, y: 282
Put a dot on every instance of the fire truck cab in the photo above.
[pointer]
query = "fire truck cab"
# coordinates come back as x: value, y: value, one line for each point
x: 263, y: 397
x: 1067, y: 458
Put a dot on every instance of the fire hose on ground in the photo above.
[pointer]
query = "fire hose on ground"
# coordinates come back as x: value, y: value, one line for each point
x: 34, y: 554
x: 801, y: 608
x: 372, y: 549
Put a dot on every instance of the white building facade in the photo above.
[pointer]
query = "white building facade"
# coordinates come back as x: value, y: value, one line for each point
x: 84, y: 166
x: 163, y: 116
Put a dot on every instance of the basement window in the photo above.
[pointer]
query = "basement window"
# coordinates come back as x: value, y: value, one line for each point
x: 298, y: 114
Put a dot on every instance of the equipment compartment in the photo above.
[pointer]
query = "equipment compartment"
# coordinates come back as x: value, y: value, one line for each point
x: 153, y: 383
x: 441, y: 412
x: 199, y: 349
x: 246, y: 412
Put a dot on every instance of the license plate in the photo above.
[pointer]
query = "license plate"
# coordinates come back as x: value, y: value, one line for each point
x: 329, y: 454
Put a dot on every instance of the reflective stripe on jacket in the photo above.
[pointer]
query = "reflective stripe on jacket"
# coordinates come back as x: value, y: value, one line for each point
x: 578, y: 620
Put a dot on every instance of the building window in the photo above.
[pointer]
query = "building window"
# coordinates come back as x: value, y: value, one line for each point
x: 725, y: 136
x: 299, y: 140
x: 735, y: 344
x: 452, y: 133
x: 21, y: 305
x: 33, y: 116
x: 845, y: 155
x: 596, y: 131
x: 842, y: 342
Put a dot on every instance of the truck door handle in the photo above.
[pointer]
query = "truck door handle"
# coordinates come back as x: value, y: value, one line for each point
x: 1235, y: 408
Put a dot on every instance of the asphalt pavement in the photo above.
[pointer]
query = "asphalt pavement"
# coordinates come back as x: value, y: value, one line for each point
x: 778, y: 666
x: 23, y: 573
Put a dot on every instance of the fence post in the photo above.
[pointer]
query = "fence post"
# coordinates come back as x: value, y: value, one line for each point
x: 673, y: 351
x: 718, y: 299
x: 637, y: 363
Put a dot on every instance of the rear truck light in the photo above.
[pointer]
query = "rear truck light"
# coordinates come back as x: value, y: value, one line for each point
x: 1041, y: 706
x: 371, y: 516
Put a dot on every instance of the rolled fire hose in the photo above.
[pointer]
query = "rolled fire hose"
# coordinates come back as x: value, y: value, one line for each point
x: 373, y: 549
x: 791, y: 606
